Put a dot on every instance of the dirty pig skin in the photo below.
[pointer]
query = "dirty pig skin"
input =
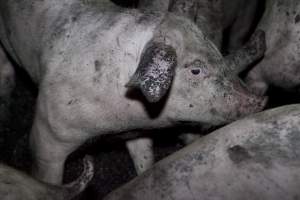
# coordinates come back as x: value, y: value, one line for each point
x: 16, y: 185
x: 281, y: 64
x: 102, y: 69
x: 257, y: 157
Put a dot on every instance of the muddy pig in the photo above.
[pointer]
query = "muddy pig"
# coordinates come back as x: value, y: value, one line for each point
x: 280, y: 66
x: 102, y: 69
x: 254, y: 158
x: 16, y: 185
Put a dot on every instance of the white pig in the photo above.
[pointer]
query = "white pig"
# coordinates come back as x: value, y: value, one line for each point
x: 102, y: 69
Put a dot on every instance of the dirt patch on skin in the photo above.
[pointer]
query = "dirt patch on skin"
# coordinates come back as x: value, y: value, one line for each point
x: 238, y: 154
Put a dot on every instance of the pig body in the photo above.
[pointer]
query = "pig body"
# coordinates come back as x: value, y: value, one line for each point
x: 254, y: 158
x: 280, y: 66
x: 213, y: 17
x: 82, y: 54
x: 16, y: 185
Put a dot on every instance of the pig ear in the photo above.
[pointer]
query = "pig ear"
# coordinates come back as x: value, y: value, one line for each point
x: 252, y: 51
x: 155, y: 71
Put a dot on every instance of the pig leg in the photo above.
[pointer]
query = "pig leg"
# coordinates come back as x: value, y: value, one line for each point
x: 7, y: 83
x: 141, y: 152
x: 49, y: 154
x: 51, y: 142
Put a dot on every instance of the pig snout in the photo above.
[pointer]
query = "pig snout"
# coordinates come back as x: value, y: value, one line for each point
x: 251, y: 104
x: 242, y: 101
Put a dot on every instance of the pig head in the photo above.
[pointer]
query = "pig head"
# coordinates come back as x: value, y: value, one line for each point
x: 102, y: 69
x: 181, y: 65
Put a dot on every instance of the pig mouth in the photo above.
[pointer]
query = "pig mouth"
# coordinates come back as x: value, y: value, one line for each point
x: 250, y: 97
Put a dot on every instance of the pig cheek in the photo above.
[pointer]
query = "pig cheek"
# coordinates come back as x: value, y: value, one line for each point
x: 233, y: 100
x: 240, y: 101
x: 238, y: 108
x: 222, y: 102
x: 230, y: 106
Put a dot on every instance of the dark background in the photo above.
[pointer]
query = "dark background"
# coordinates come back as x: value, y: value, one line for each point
x: 112, y: 162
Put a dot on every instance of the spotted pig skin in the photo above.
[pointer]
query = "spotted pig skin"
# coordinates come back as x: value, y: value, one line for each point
x: 257, y: 157
x: 83, y: 53
x: 281, y: 64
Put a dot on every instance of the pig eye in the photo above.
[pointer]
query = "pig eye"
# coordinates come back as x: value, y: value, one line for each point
x: 195, y: 71
x: 198, y: 67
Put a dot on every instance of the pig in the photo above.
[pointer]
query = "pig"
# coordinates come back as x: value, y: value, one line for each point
x: 214, y: 17
x: 141, y: 149
x: 102, y: 69
x: 280, y: 65
x: 257, y: 157
x: 16, y: 185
